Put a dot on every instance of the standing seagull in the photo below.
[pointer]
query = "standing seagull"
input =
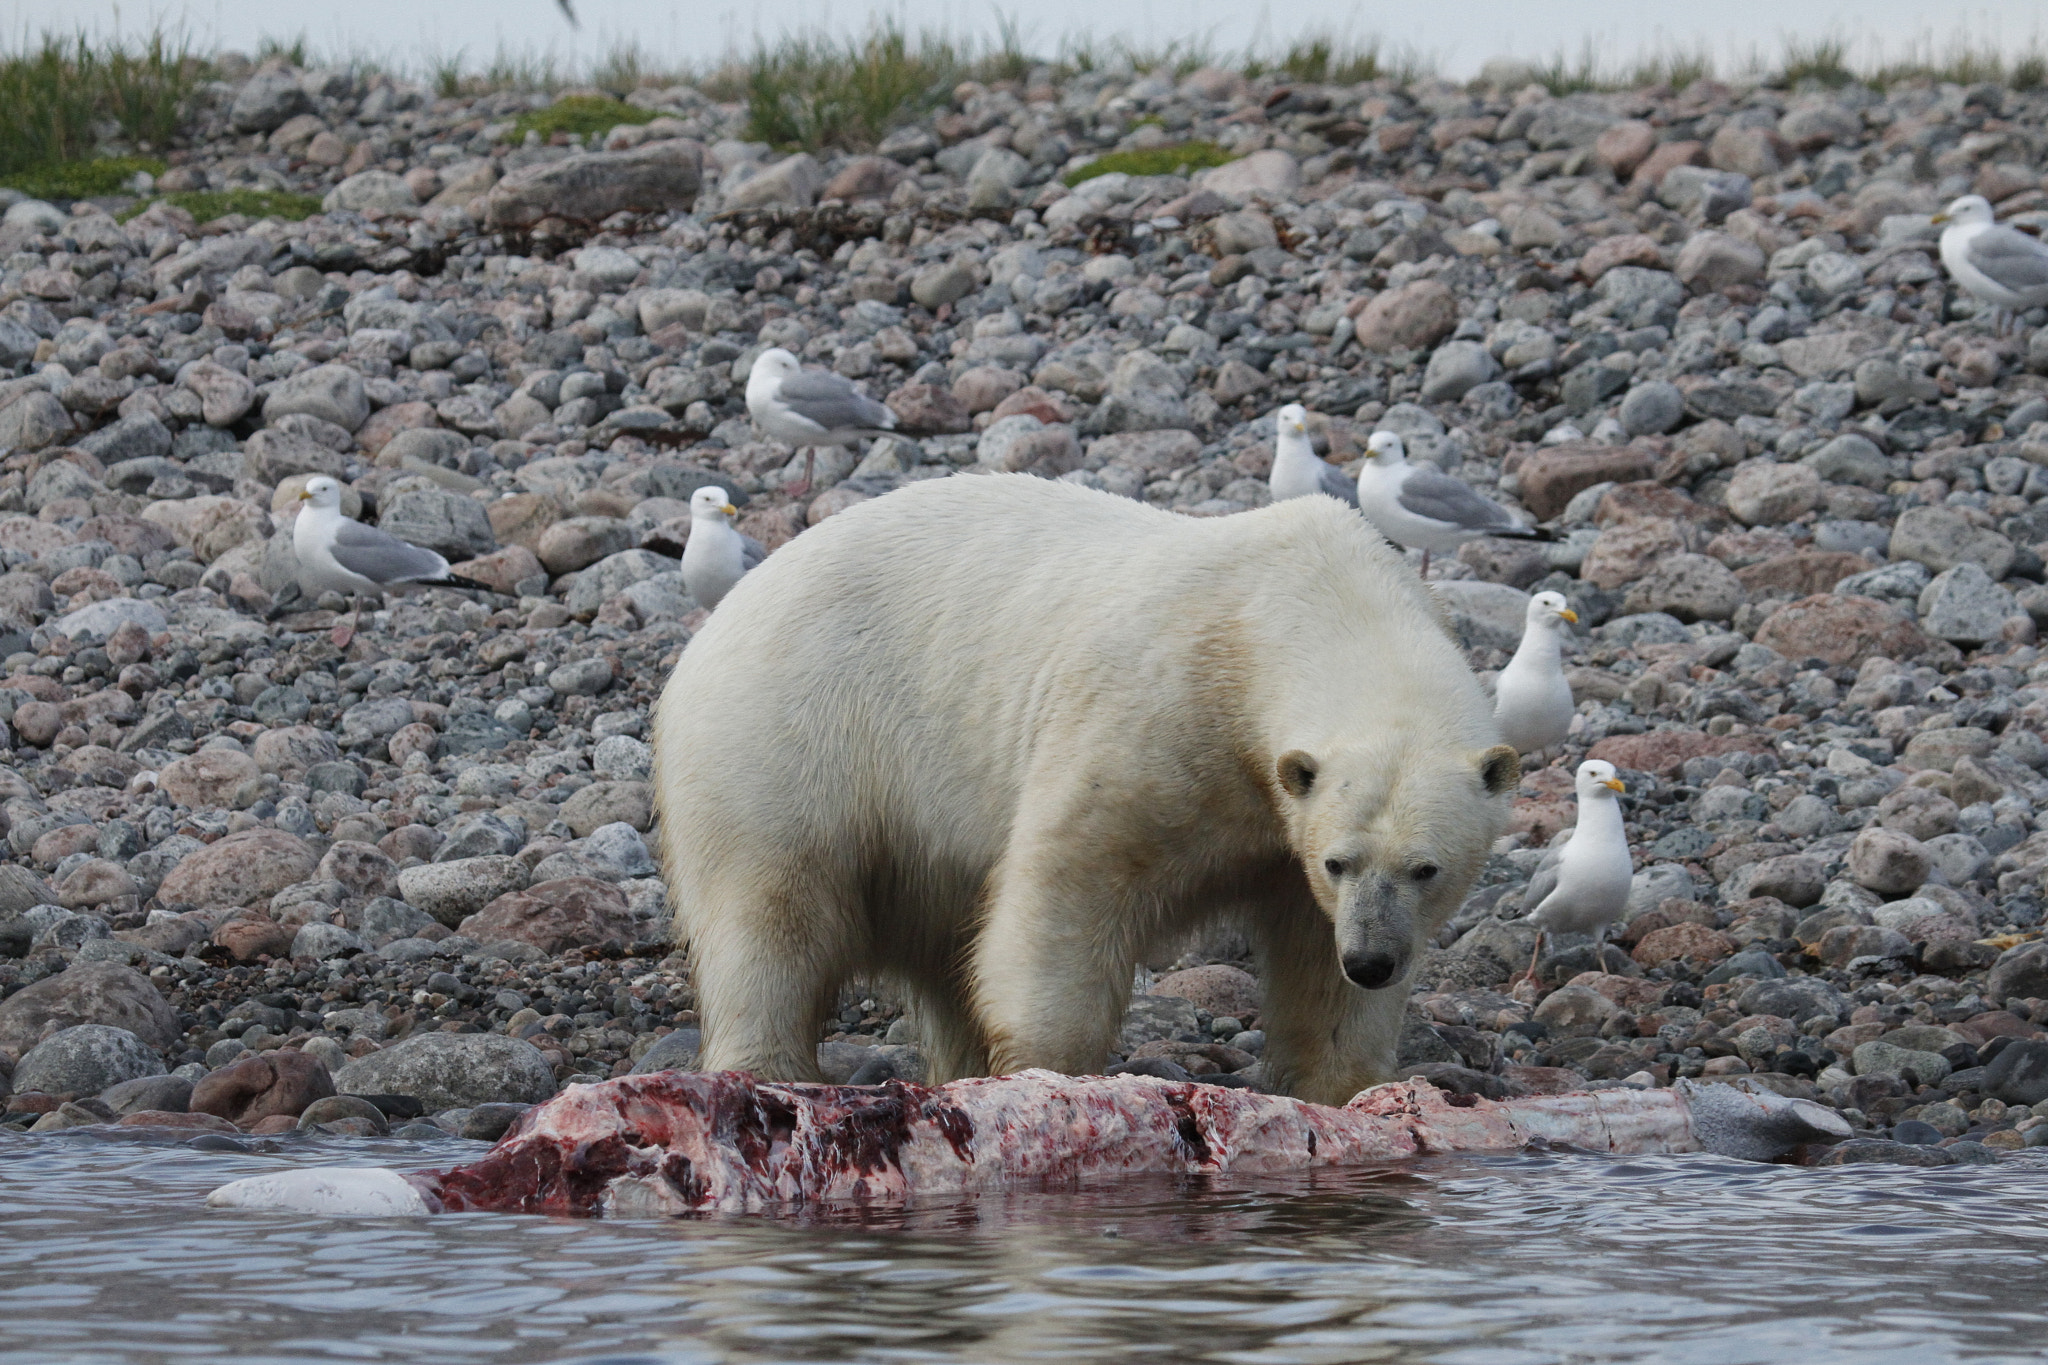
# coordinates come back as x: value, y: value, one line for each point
x: 1586, y: 888
x: 1298, y: 472
x: 1532, y: 700
x: 1995, y: 264
x: 341, y: 554
x: 810, y: 408
x: 1420, y: 507
x: 717, y: 553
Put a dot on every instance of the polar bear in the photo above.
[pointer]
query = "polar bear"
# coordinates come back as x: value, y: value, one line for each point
x: 994, y: 739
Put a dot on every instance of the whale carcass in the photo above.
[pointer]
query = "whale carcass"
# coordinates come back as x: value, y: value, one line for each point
x: 676, y: 1143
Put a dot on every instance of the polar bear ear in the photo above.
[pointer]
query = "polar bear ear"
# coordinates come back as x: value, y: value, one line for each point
x: 1500, y: 768
x: 1297, y: 772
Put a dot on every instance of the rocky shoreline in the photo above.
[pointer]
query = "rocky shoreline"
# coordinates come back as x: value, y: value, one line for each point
x: 1800, y: 489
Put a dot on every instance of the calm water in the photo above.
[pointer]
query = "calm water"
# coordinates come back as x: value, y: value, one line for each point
x: 108, y: 1255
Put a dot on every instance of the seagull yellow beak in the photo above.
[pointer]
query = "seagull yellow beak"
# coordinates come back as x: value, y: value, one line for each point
x: 1615, y: 784
x: 1568, y: 615
x: 305, y: 496
x: 1938, y: 219
x: 730, y: 510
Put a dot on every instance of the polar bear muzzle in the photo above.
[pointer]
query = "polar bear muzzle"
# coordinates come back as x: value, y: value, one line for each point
x: 1375, y: 931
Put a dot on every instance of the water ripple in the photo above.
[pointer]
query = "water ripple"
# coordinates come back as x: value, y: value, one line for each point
x: 1545, y: 1259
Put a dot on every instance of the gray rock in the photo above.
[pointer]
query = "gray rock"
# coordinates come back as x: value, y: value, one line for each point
x: 1652, y: 408
x: 168, y: 1094
x: 98, y: 620
x: 266, y: 101
x: 582, y: 678
x: 450, y: 524
x: 656, y: 177
x: 385, y: 919
x: 1878, y: 1057
x: 141, y: 437
x: 452, y: 892
x: 1964, y: 606
x: 85, y: 1060
x: 1455, y: 369
x: 1853, y: 459
x: 452, y: 1071
x: 332, y: 393
x: 793, y: 182
x: 674, y: 1052
x: 1155, y: 1018
x: 1942, y: 537
x: 322, y: 941
x: 2019, y: 1073
x: 373, y: 190
x: 89, y: 993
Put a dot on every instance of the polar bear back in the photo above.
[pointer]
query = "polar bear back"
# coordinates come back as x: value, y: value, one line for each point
x: 910, y: 661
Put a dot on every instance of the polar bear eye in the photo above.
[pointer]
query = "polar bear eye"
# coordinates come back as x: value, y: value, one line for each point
x: 1425, y: 872
x: 1333, y: 866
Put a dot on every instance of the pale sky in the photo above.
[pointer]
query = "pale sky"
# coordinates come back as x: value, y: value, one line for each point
x: 1460, y: 37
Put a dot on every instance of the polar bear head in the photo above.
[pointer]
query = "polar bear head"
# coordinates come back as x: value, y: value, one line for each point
x: 1390, y: 837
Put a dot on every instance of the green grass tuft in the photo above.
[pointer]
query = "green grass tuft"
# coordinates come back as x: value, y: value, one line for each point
x: 1824, y: 61
x: 581, y: 115
x: 1176, y: 159
x: 207, y: 205
x: 59, y: 98
x: 81, y: 179
x: 818, y: 92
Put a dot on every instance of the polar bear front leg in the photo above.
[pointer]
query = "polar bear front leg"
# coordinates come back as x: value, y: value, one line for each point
x: 1052, y: 974
x: 766, y: 979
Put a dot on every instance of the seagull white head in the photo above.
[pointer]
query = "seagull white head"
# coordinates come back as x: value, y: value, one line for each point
x: 712, y: 504
x: 321, y: 491
x: 1967, y: 211
x: 775, y: 363
x: 1597, y: 781
x: 1292, y: 420
x: 1385, y: 448
x: 1548, y: 608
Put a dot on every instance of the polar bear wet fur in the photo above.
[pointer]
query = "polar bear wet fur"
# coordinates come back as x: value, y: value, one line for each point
x: 993, y: 740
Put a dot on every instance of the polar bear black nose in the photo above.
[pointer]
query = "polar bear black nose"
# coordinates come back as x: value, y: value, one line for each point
x: 1371, y: 970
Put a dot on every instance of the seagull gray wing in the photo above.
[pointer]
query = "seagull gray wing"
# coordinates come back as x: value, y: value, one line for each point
x: 752, y: 552
x: 1337, y: 484
x: 1427, y: 492
x: 382, y: 557
x: 1542, y: 882
x: 833, y: 402
x: 2011, y: 258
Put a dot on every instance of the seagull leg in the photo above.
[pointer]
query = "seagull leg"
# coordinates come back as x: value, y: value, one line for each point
x: 343, y: 634
x: 1425, y: 564
x: 1534, y: 955
x: 803, y: 485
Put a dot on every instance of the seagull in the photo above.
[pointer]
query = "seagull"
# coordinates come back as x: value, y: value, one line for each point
x: 1994, y: 264
x: 1421, y: 507
x: 810, y: 408
x: 717, y: 552
x: 1298, y: 472
x: 1584, y: 889
x: 1532, y: 701
x: 338, y: 553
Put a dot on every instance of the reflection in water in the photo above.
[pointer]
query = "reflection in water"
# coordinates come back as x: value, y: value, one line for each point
x: 110, y: 1257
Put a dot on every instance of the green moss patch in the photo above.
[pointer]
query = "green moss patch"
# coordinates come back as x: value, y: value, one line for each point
x: 81, y: 179
x: 1179, y: 158
x: 583, y: 115
x: 207, y: 205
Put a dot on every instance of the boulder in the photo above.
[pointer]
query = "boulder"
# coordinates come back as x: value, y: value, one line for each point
x: 88, y: 993
x: 283, y: 1081
x: 1841, y: 629
x: 555, y: 916
x: 453, y: 1071
x: 453, y: 891
x: 1219, y: 988
x: 241, y: 869
x: 86, y: 1059
x: 1411, y: 317
x: 588, y: 187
